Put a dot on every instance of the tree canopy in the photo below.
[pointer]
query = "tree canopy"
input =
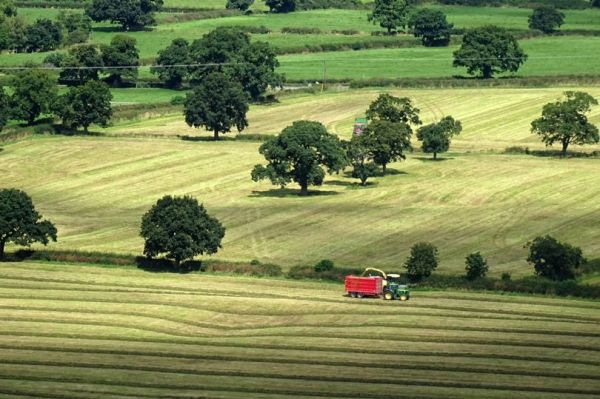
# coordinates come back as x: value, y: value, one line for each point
x: 229, y: 50
x: 423, y: 260
x: 476, y: 266
x: 242, y: 5
x: 390, y: 14
x: 4, y: 108
x: 546, y: 18
x: 177, y: 54
x: 77, y: 26
x: 488, y: 50
x: 85, y: 55
x: 130, y: 14
x: 360, y: 157
x: 43, y: 35
x: 387, y: 141
x: 393, y: 109
x: 431, y: 26
x: 20, y: 223
x: 217, y: 104
x: 81, y: 106
x: 34, y: 92
x: 8, y: 8
x: 436, y: 137
x: 553, y: 259
x: 566, y: 121
x: 180, y: 228
x: 121, y: 59
x: 301, y: 153
x: 281, y: 6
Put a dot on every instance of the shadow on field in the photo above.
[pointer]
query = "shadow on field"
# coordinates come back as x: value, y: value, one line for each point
x: 429, y: 159
x: 167, y: 266
x: 290, y: 193
x: 350, y: 184
x: 388, y: 172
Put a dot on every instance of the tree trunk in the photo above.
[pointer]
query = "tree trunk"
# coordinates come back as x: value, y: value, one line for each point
x: 435, y: 155
x: 2, y: 249
x: 85, y: 129
x: 487, y: 71
x: 304, y: 188
x: 383, y: 168
x: 216, y: 135
x: 565, y: 145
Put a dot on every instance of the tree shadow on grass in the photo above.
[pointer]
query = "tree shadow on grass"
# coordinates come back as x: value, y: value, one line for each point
x: 291, y: 193
x: 429, y: 159
x: 351, y: 184
x: 167, y: 266
x: 206, y: 138
x: 389, y: 172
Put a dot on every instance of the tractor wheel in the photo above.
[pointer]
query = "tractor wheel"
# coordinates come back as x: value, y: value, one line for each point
x: 403, y: 298
x: 388, y: 296
x: 358, y: 295
x: 353, y: 294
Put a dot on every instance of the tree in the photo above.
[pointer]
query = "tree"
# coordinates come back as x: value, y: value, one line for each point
x: 300, y: 154
x: 281, y: 6
x: 242, y: 5
x: 566, y: 121
x: 393, y: 109
x: 546, y: 18
x: 436, y: 137
x: 431, y: 26
x: 43, y: 35
x: 181, y: 228
x: 33, y: 94
x: 488, y: 50
x: 217, y: 104
x: 595, y: 3
x: 387, y: 141
x: 359, y: 156
x: 130, y: 14
x: 20, y: 223
x: 476, y: 266
x: 121, y: 59
x: 4, y: 108
x: 77, y: 26
x: 15, y: 29
x: 7, y: 8
x: 423, y: 260
x: 229, y: 50
x: 553, y: 259
x: 390, y: 14
x: 84, y: 105
x: 178, y: 54
x: 87, y: 56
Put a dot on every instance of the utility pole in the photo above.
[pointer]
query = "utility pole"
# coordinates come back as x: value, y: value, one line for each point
x: 324, y: 75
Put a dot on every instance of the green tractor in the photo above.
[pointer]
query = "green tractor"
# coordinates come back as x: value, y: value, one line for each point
x: 392, y: 287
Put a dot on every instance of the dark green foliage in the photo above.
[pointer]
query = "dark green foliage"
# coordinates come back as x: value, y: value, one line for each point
x: 34, y: 92
x: 86, y: 55
x: 423, y: 260
x: 324, y: 265
x: 130, y: 14
x: 122, y: 54
x: 322, y: 4
x: 390, y: 14
x: 359, y: 156
x: 299, y: 154
x: 505, y: 276
x: 242, y: 5
x: 281, y: 6
x: 13, y: 34
x: 553, y: 259
x: 217, y: 104
x: 595, y: 3
x: 547, y: 19
x: 180, y: 228
x: 436, y: 137
x: 393, y: 109
x: 476, y: 266
x: 43, y: 35
x: 20, y: 223
x: 81, y: 106
x: 488, y: 50
x: 566, y: 121
x: 4, y: 108
x: 178, y: 53
x: 301, y: 31
x: 431, y: 26
x: 77, y: 26
x: 7, y: 8
x: 386, y: 141
x: 251, y: 64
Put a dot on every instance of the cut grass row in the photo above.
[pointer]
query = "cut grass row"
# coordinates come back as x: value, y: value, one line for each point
x: 43, y: 357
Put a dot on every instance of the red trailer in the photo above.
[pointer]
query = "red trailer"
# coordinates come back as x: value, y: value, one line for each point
x: 364, y: 286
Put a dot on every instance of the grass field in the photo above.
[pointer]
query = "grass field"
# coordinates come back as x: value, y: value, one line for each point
x: 86, y: 332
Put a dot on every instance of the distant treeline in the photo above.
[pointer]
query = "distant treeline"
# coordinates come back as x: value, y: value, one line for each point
x: 572, y: 4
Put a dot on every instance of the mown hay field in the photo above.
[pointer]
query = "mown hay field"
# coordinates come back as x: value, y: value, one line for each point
x: 478, y: 199
x: 72, y: 331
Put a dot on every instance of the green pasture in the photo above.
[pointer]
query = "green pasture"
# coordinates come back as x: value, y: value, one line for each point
x: 87, y: 332
x: 96, y: 189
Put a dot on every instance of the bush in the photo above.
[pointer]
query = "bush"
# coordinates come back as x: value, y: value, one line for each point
x: 553, y: 259
x: 177, y: 100
x: 301, y: 31
x: 347, y: 32
x: 505, y: 276
x: 476, y: 266
x: 255, y: 30
x: 324, y: 265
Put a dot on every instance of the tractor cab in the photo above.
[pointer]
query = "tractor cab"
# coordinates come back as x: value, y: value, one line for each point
x: 392, y: 287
